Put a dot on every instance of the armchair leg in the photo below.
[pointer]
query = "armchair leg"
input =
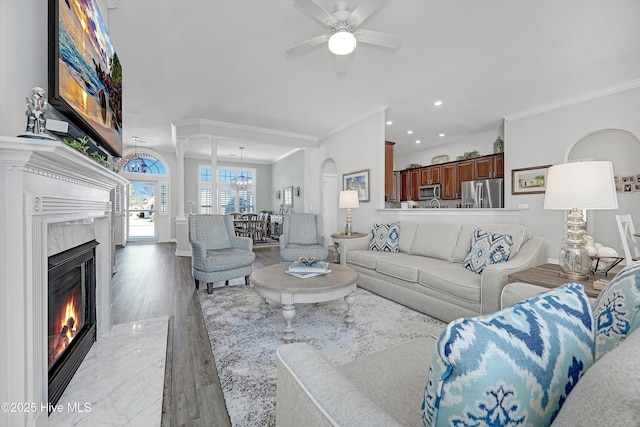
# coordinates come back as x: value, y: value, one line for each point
x: 246, y: 280
x: 226, y: 283
x: 197, y: 283
x: 209, y: 288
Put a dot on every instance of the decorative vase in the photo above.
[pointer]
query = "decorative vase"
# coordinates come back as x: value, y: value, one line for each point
x: 498, y: 146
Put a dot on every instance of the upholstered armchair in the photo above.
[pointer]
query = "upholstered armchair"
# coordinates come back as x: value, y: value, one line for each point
x: 216, y: 252
x: 302, y: 236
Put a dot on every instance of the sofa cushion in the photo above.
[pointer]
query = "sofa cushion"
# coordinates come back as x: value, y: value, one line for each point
x: 519, y: 233
x: 407, y: 234
x: 607, y: 394
x: 487, y: 248
x: 405, y: 268
x: 368, y: 259
x: 385, y: 237
x: 452, y: 279
x: 616, y: 309
x: 435, y: 240
x: 513, y: 367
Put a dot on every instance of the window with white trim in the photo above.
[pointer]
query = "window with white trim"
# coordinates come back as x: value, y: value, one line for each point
x: 231, y: 199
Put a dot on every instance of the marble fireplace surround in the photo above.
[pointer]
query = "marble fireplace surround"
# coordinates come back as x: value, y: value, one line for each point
x: 52, y: 199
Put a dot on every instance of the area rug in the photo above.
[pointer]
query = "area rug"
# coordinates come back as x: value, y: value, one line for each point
x: 244, y: 342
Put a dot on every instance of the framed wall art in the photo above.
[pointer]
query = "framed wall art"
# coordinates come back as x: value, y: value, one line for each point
x: 358, y: 181
x: 529, y: 180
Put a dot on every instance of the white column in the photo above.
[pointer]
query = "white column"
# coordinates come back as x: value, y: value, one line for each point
x: 214, y: 177
x: 180, y: 149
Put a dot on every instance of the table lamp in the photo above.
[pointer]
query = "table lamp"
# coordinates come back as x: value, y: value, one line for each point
x: 577, y: 186
x: 348, y: 200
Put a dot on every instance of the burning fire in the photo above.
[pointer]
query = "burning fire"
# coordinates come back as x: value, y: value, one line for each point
x: 69, y: 321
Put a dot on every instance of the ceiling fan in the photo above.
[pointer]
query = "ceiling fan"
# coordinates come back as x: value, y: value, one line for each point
x: 342, y: 29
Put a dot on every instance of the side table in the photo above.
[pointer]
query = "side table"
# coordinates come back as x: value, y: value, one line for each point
x: 336, y: 242
x: 548, y: 276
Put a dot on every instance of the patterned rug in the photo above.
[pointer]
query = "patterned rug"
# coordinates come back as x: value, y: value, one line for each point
x: 244, y: 343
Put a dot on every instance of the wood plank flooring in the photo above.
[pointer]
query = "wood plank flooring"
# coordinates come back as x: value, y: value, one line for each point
x: 151, y: 282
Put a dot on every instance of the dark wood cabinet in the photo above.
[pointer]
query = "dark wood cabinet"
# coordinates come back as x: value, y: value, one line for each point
x: 415, y: 183
x: 488, y: 167
x: 450, y: 176
x: 430, y: 175
x: 449, y: 181
x: 388, y: 168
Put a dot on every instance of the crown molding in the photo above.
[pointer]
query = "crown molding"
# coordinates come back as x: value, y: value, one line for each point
x: 631, y: 84
x: 377, y: 110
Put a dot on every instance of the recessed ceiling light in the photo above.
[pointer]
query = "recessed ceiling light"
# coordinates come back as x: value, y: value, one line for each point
x: 409, y: 132
x: 441, y: 134
x: 389, y: 122
x: 437, y: 103
x: 418, y: 141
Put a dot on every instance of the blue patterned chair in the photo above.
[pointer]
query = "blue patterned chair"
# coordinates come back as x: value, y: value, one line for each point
x: 302, y: 236
x: 216, y: 252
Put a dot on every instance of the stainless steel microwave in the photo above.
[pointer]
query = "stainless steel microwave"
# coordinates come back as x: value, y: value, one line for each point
x: 427, y: 192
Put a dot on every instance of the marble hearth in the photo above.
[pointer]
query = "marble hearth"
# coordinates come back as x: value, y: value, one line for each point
x: 53, y: 198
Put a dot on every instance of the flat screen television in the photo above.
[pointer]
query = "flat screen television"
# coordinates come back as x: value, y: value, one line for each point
x: 85, y: 74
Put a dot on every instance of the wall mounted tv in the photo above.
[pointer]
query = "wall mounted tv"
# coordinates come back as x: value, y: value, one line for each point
x: 85, y: 75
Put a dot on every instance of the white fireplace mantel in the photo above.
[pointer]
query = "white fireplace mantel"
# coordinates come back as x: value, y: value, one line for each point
x: 43, y: 182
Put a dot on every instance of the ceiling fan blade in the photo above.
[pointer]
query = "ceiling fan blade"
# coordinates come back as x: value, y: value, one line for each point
x: 316, y: 11
x: 341, y: 63
x: 381, y: 39
x: 307, y: 44
x: 364, y: 9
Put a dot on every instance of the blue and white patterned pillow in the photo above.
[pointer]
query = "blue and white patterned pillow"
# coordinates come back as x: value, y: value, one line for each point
x: 487, y: 248
x: 513, y: 367
x: 617, y: 309
x: 385, y: 237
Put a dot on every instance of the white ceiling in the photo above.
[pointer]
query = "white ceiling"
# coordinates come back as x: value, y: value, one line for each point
x: 224, y: 60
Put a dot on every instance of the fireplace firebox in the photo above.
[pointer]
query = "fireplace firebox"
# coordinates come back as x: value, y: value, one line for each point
x: 71, y: 314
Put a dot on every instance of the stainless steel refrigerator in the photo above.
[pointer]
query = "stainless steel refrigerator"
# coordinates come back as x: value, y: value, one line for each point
x: 483, y: 193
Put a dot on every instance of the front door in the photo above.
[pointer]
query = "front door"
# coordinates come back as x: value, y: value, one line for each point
x: 141, y: 213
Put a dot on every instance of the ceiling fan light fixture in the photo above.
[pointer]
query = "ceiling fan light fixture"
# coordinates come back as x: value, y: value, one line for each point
x: 342, y: 42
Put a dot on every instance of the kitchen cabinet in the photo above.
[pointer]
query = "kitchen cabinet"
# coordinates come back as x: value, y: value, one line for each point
x: 449, y: 181
x: 415, y: 183
x: 388, y: 168
x: 430, y: 175
x: 488, y: 167
x: 405, y: 185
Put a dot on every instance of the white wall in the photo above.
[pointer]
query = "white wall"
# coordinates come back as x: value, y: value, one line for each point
x: 547, y: 138
x: 288, y: 172
x: 23, y: 43
x: 357, y: 147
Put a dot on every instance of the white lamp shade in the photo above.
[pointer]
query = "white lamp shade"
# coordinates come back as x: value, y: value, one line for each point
x: 581, y: 185
x: 348, y: 199
x: 342, y: 43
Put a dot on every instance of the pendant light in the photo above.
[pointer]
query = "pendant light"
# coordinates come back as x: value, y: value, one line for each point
x: 242, y: 182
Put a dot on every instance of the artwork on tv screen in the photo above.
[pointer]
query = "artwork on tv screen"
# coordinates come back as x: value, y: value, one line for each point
x: 85, y: 75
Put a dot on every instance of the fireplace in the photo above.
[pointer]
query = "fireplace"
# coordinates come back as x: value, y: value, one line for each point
x: 71, y: 324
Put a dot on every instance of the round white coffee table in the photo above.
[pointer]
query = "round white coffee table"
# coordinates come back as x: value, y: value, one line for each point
x: 274, y: 284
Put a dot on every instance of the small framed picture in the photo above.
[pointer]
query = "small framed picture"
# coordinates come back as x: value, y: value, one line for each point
x: 358, y: 181
x: 278, y: 194
x: 529, y: 180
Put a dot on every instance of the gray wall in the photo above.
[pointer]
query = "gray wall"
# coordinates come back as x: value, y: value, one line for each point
x: 288, y: 172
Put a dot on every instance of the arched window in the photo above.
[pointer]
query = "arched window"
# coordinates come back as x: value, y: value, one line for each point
x: 142, y: 163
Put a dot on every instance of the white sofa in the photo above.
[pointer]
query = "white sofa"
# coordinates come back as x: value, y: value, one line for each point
x: 428, y: 275
x: 386, y: 388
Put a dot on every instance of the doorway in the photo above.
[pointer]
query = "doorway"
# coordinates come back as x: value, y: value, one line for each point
x: 141, y: 211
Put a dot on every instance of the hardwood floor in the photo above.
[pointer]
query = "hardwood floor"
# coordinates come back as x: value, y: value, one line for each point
x: 151, y: 282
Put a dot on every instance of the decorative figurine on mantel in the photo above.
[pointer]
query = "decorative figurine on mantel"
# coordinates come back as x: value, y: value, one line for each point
x: 36, y: 123
x: 498, y: 146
